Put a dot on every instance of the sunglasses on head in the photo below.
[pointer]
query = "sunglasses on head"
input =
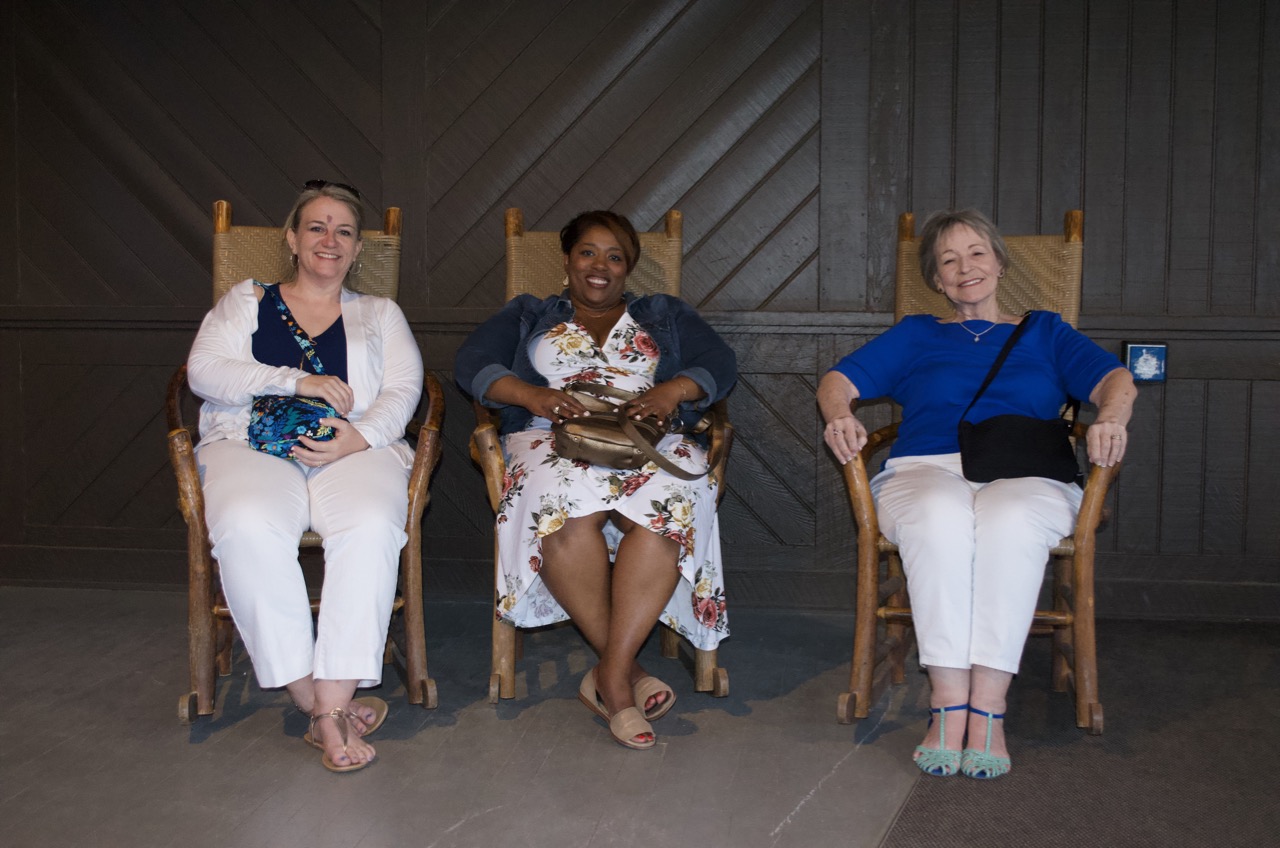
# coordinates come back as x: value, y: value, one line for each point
x: 316, y: 184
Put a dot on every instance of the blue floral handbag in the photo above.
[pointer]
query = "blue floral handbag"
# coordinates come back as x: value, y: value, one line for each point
x: 276, y: 421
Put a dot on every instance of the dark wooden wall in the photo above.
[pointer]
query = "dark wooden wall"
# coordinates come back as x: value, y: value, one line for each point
x: 790, y: 134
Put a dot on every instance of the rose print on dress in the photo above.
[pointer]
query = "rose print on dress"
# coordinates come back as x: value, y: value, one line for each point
x: 545, y: 490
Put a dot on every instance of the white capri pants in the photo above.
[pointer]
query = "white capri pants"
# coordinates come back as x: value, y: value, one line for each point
x: 257, y: 507
x: 974, y: 554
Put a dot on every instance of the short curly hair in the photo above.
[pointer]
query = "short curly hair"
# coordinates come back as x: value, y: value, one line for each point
x: 611, y: 221
x: 939, y: 223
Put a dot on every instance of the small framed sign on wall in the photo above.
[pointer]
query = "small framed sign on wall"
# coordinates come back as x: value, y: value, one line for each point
x: 1147, y: 361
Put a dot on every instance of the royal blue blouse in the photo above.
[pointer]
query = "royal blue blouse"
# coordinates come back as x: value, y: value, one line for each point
x: 934, y: 369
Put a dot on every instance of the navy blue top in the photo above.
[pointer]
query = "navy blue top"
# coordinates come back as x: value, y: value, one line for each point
x: 274, y: 343
x: 934, y: 369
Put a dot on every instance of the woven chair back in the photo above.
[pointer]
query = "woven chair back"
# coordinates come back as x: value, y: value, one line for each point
x: 1044, y: 272
x: 240, y: 253
x: 535, y: 263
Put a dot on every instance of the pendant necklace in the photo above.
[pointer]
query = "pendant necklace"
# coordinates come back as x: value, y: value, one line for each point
x: 976, y: 336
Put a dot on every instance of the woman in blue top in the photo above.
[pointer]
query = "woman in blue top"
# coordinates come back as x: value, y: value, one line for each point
x: 560, y: 522
x: 974, y: 553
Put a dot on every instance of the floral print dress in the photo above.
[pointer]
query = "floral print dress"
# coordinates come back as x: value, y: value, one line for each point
x: 541, y: 490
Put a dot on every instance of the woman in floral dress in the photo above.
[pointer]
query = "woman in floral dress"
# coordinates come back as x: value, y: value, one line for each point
x: 615, y: 551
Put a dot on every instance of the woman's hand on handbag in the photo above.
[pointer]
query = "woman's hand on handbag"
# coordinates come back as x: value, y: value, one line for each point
x: 541, y: 401
x: 1106, y: 442
x: 659, y: 402
x: 346, y: 440
x: 554, y: 405
x: 845, y: 436
x: 329, y: 389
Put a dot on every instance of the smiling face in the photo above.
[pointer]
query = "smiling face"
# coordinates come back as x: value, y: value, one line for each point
x: 968, y: 268
x: 327, y: 240
x: 597, y: 269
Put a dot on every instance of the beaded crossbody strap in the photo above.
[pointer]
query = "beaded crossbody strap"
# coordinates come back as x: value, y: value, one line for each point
x: 299, y: 335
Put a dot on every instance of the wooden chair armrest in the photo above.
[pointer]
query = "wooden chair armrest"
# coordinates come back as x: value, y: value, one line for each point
x: 878, y: 439
x: 486, y: 451
x: 1093, y: 512
x: 857, y: 481
x: 426, y: 454
x: 173, y: 401
x: 720, y: 435
x: 183, y: 459
x: 1098, y: 480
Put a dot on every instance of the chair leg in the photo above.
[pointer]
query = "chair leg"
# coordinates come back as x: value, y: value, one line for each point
x: 856, y: 703
x: 202, y: 629
x: 1063, y: 644
x: 502, y: 677
x: 898, y: 636
x: 707, y: 675
x: 1088, y: 707
x: 421, y: 688
x: 226, y: 636
x: 670, y: 642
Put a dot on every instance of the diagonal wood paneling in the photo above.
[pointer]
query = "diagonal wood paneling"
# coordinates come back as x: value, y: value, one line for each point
x: 791, y: 134
x: 629, y: 112
x: 133, y: 117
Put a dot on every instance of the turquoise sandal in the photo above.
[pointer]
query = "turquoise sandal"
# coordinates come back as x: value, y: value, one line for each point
x: 939, y: 762
x: 984, y: 765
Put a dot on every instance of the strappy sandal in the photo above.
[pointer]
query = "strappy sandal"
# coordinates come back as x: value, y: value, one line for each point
x: 625, y: 725
x: 340, y: 718
x: 983, y: 765
x: 374, y: 703
x: 380, y: 710
x: 645, y: 688
x: 939, y: 762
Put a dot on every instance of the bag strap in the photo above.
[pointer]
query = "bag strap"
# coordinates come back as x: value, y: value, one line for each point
x: 629, y: 429
x: 1073, y: 404
x: 1004, y: 354
x: 299, y: 335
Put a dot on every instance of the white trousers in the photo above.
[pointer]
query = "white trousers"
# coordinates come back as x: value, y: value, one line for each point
x: 258, y: 506
x: 974, y: 554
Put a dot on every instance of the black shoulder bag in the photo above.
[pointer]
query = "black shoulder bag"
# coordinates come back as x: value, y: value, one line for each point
x: 1017, y: 445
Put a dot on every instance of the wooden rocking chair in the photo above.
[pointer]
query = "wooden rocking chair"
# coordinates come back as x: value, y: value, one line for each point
x: 1044, y: 273
x: 259, y: 252
x: 535, y: 265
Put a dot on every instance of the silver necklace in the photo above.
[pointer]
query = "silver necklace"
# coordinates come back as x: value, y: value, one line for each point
x: 976, y: 336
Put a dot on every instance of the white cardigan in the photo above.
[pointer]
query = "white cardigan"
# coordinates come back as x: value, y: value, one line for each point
x: 384, y: 367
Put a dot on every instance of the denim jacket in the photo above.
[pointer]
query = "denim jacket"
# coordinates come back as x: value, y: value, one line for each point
x: 687, y: 347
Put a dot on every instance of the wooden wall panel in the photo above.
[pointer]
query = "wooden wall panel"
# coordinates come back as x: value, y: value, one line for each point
x: 1066, y: 49
x: 1105, y: 115
x: 1235, y: 154
x: 791, y: 135
x: 1266, y: 251
x: 138, y: 116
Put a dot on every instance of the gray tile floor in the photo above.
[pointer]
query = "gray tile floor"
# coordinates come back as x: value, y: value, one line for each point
x: 92, y: 754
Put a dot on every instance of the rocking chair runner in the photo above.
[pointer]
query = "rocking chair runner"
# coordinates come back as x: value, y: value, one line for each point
x: 535, y: 265
x: 259, y: 252
x: 1044, y: 273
